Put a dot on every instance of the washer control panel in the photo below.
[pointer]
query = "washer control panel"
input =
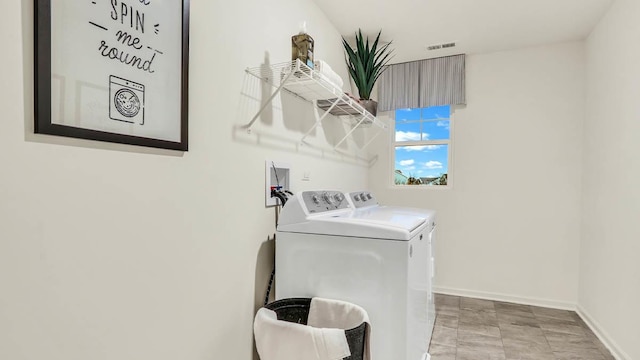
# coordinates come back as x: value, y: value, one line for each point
x: 321, y: 201
x: 363, y: 199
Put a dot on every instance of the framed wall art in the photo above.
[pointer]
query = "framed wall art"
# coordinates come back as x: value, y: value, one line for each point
x: 113, y: 70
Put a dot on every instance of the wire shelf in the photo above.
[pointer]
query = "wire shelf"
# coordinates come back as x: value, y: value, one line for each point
x: 312, y: 86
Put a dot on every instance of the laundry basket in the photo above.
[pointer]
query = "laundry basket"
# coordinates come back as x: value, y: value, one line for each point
x: 296, y: 310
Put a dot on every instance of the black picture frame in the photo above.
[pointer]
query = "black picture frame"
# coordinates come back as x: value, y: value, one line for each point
x: 43, y: 85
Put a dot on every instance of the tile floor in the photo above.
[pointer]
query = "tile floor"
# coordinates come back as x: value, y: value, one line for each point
x: 474, y: 329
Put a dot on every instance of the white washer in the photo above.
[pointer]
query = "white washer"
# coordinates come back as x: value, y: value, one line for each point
x: 372, y: 256
x: 366, y: 201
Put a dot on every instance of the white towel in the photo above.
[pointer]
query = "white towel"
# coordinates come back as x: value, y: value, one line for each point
x: 336, y: 80
x: 325, y: 71
x: 282, y: 340
x: 326, y: 313
x: 322, y: 67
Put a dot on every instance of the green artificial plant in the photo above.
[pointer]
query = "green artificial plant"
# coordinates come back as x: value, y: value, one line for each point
x: 365, y: 63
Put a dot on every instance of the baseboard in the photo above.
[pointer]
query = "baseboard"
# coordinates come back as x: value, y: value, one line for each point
x: 506, y: 298
x: 602, y: 335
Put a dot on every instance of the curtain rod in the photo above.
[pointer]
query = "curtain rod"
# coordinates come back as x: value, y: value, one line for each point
x: 439, y: 57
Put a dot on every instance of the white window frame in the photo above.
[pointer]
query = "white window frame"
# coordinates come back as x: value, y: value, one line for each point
x: 450, y: 146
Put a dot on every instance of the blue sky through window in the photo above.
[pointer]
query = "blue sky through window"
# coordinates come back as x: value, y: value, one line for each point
x: 427, y: 124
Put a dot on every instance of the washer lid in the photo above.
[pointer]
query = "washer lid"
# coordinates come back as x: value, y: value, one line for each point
x: 376, y: 223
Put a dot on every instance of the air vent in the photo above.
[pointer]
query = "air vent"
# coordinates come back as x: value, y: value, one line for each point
x: 441, y: 46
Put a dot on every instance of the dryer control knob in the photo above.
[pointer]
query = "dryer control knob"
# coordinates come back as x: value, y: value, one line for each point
x: 369, y: 196
x: 327, y: 198
x: 315, y: 199
x: 338, y: 197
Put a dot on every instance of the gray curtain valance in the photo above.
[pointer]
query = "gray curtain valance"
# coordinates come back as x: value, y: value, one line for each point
x: 423, y: 83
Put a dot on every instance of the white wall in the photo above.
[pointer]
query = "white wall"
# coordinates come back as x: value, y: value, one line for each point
x: 118, y: 252
x: 609, y: 266
x: 509, y: 228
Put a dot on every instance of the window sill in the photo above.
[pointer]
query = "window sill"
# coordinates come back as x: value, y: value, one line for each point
x: 411, y: 187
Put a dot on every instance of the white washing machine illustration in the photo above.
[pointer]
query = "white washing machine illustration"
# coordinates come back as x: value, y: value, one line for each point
x: 126, y: 100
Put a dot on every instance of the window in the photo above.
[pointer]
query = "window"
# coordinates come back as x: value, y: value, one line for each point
x: 422, y: 146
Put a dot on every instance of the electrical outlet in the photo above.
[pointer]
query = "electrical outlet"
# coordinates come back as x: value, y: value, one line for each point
x: 277, y: 175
